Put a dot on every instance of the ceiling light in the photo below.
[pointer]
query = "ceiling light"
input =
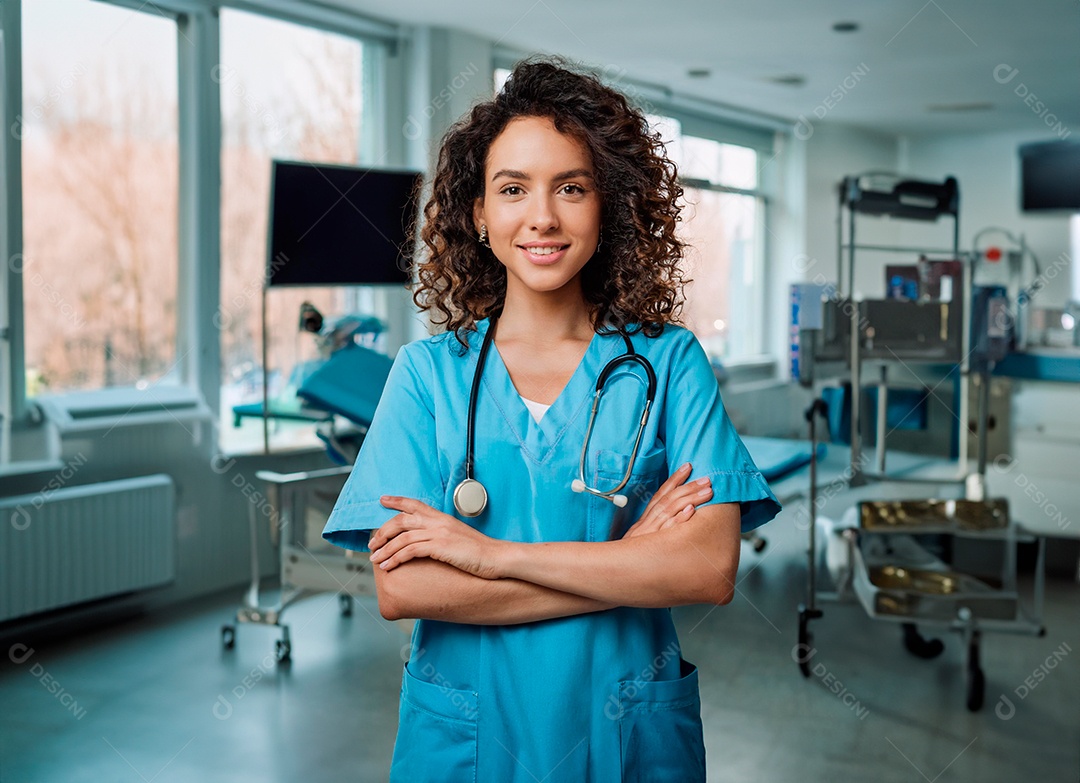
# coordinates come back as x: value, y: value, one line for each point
x: 699, y: 73
x: 845, y: 27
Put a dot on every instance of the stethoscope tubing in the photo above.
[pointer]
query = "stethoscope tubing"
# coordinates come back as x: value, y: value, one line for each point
x: 470, y: 496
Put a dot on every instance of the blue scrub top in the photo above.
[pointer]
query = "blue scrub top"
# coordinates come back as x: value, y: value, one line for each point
x: 598, y: 697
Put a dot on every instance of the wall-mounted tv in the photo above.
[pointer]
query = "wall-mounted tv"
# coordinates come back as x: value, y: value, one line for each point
x: 340, y: 225
x: 1050, y: 177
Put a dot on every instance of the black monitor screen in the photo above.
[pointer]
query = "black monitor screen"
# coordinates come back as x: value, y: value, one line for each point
x: 340, y: 225
x: 1050, y: 177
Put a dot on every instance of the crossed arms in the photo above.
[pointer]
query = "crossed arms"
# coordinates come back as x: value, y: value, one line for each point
x: 431, y: 565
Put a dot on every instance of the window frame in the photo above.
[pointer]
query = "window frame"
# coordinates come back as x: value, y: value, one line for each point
x: 199, y: 199
x: 762, y: 138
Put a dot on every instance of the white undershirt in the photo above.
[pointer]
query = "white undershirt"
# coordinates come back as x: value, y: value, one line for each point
x: 537, y: 409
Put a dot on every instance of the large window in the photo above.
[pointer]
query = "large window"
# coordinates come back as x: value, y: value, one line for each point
x: 99, y: 146
x: 723, y: 224
x: 293, y: 93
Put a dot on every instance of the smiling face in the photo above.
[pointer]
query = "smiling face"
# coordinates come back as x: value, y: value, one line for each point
x: 540, y: 205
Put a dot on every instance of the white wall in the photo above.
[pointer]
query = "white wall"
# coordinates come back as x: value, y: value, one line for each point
x: 833, y: 152
x: 987, y: 168
x: 441, y: 73
x: 802, y: 244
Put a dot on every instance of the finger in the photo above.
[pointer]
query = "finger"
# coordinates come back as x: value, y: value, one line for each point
x: 672, y: 481
x: 676, y: 478
x: 678, y: 486
x: 397, y: 525
x: 694, y: 492
x: 408, y: 505
x: 684, y: 514
x: 667, y: 503
x: 396, y: 544
x: 405, y: 554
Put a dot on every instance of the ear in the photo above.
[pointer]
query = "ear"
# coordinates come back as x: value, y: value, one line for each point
x: 478, y: 213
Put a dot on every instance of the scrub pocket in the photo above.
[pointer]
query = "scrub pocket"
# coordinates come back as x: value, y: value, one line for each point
x: 660, y: 734
x: 436, y: 739
x: 608, y: 522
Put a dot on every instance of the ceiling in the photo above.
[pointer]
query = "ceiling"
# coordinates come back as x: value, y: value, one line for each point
x: 1002, y: 65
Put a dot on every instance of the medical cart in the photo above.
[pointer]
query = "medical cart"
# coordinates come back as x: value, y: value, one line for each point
x: 301, y: 503
x: 891, y: 565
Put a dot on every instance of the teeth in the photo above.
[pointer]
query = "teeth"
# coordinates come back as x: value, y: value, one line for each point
x: 543, y: 251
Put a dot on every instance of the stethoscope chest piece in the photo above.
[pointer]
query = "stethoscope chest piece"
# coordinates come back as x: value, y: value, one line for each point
x: 470, y: 498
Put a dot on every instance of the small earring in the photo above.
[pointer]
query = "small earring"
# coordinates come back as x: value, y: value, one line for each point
x: 483, y: 238
x: 599, y: 242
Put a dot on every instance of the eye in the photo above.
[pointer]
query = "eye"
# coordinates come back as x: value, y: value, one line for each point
x: 511, y: 190
x: 574, y: 190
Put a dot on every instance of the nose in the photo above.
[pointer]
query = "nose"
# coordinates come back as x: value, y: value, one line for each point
x: 542, y: 215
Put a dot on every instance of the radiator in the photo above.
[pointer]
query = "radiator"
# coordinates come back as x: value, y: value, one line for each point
x: 64, y: 546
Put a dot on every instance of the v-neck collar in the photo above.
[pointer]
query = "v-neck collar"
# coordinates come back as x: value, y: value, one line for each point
x: 539, y: 438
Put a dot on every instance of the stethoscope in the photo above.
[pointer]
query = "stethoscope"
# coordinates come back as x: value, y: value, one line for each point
x: 470, y: 497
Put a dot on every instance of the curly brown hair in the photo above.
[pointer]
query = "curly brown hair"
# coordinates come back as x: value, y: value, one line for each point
x: 633, y: 283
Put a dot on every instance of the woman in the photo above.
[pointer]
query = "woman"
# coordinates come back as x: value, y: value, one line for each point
x: 545, y: 648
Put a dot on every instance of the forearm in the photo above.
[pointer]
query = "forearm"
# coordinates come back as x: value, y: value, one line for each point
x: 430, y: 590
x: 694, y: 562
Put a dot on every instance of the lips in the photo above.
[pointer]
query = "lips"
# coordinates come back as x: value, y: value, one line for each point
x: 544, y: 254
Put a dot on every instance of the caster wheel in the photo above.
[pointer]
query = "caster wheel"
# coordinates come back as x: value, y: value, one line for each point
x: 283, y: 651
x: 228, y: 636
x: 805, y: 650
x: 759, y: 545
x: 976, y: 689
x: 919, y: 646
x: 345, y: 601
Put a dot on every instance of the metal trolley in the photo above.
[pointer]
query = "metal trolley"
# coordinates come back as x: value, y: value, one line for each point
x: 897, y: 579
x: 300, y: 504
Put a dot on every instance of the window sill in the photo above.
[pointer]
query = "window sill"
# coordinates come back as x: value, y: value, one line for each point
x: 751, y: 369
x: 30, y: 467
x: 127, y: 406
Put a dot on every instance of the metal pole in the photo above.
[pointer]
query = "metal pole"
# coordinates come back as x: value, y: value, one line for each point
x: 266, y: 382
x: 882, y: 410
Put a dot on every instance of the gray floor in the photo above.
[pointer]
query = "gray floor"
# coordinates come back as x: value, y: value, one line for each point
x: 156, y: 699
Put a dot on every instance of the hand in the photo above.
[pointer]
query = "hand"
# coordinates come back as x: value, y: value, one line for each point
x: 673, y: 503
x: 421, y: 531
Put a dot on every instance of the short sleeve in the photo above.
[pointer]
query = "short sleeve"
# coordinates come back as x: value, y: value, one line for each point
x: 396, y: 456
x: 696, y: 429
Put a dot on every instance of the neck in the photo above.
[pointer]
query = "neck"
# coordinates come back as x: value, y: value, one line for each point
x: 545, y: 316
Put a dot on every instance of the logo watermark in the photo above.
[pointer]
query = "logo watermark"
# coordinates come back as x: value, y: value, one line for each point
x: 1005, y: 463
x: 222, y: 708
x: 804, y: 128
x: 20, y: 516
x: 260, y: 501
x: 223, y: 318
x: 412, y: 127
x: 52, y: 97
x: 1006, y: 74
x: 613, y: 710
x: 1005, y: 708
x: 20, y: 654
x: 19, y: 263
x: 801, y: 653
x: 229, y: 80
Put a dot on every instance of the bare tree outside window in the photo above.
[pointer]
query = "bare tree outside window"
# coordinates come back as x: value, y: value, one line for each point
x: 100, y: 172
x: 100, y: 169
x: 297, y: 98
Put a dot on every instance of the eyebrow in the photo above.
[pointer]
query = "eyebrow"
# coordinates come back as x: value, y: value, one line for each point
x: 514, y: 174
